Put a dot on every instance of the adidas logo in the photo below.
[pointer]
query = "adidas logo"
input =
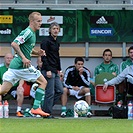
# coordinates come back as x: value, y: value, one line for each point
x: 101, y: 20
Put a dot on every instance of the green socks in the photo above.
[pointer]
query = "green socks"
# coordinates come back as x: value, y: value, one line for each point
x: 63, y: 109
x: 89, y: 108
x: 38, y: 98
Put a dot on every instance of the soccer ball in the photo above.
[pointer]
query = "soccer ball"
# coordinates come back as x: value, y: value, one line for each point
x: 81, y: 107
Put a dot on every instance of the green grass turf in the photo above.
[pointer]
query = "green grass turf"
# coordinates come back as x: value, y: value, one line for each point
x: 39, y: 125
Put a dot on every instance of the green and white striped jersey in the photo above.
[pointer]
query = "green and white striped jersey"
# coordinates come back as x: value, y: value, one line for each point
x: 26, y: 40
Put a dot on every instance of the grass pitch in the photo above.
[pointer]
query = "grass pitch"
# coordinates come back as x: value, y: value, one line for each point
x: 78, y: 125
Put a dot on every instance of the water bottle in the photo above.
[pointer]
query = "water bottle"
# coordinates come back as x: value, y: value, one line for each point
x: 119, y: 104
x: 1, y: 110
x: 6, y: 109
x: 130, y: 111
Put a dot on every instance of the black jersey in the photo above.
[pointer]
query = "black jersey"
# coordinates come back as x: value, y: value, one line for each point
x: 72, y: 77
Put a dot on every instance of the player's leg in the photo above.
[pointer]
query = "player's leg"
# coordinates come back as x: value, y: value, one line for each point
x: 41, y: 81
x: 9, y: 79
x: 58, y: 89
x: 64, y: 98
x: 49, y: 92
x: 35, y: 76
x: 17, y: 94
x: 86, y: 92
x: 20, y: 98
x: 5, y: 87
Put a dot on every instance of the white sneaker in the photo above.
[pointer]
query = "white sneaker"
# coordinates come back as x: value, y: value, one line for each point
x: 89, y: 114
x: 63, y: 114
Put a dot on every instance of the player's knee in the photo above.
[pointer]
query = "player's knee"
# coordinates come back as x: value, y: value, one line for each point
x: 65, y: 90
x: 3, y: 91
x: 86, y: 90
x: 20, y: 92
x: 87, y: 94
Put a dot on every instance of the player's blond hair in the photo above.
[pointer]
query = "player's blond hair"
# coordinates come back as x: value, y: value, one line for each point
x: 32, y: 15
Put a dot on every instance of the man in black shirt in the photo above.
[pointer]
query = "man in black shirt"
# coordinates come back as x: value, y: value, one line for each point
x: 76, y: 83
x: 51, y: 68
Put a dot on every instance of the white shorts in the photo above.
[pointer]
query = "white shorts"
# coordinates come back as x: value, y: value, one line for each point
x: 75, y: 93
x: 14, y: 75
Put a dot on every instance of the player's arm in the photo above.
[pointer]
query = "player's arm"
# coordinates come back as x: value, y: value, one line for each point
x: 105, y: 86
x: 85, y: 79
x: 17, y: 49
x: 26, y: 62
x: 39, y: 53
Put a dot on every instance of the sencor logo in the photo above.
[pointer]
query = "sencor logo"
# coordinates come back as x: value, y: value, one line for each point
x: 101, y: 31
x: 6, y: 19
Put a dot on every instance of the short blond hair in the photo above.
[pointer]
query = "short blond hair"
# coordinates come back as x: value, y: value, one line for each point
x: 32, y: 15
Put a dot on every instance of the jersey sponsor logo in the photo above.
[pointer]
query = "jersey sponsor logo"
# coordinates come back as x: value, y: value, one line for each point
x: 101, y: 31
x: 5, y: 31
x: 20, y: 39
x: 6, y: 19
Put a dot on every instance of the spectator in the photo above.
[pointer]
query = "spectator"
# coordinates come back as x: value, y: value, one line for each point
x: 20, y: 66
x: 16, y: 92
x: 76, y: 83
x: 107, y: 65
x: 4, y: 66
x: 51, y: 68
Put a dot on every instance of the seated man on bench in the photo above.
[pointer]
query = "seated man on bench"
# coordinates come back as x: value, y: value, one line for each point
x: 16, y: 92
x: 125, y: 85
x: 76, y: 83
x: 127, y: 74
x: 107, y: 65
x: 106, y: 70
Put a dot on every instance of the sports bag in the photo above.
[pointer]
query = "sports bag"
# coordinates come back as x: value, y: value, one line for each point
x: 119, y: 112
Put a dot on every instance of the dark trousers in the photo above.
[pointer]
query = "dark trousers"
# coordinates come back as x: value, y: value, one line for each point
x: 53, y: 92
